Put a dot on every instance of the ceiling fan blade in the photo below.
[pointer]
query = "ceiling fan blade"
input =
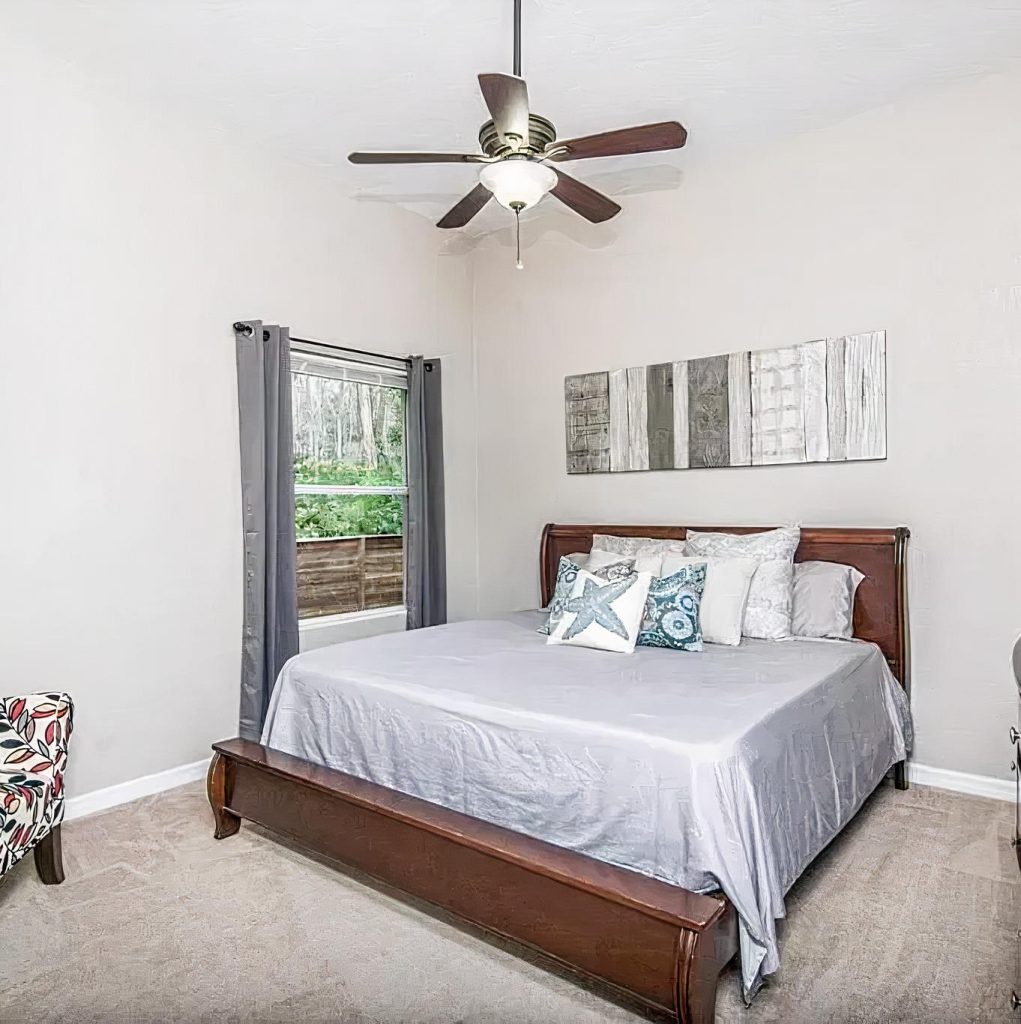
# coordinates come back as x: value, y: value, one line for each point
x: 592, y: 205
x: 463, y: 212
x: 418, y: 158
x: 507, y: 99
x: 645, y: 138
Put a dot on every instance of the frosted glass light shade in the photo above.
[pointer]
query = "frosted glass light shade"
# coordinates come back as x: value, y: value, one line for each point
x: 514, y: 182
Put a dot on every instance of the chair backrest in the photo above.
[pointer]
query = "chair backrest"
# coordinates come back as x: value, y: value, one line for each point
x: 1017, y: 662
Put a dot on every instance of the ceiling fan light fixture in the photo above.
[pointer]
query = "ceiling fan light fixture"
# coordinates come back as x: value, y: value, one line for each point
x: 518, y: 183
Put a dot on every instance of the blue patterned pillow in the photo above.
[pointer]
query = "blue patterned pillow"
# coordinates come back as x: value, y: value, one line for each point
x: 672, y: 609
x: 567, y: 573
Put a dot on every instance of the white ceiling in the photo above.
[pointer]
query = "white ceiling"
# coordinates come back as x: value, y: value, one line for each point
x: 318, y: 78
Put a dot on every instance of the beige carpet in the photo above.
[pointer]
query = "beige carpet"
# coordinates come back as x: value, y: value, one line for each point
x: 911, y: 915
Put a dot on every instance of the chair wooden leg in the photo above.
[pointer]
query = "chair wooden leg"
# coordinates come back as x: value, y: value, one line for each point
x: 48, y: 859
x: 900, y: 775
x: 218, y: 790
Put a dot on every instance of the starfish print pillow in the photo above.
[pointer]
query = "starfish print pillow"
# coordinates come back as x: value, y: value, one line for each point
x: 567, y: 573
x: 606, y: 615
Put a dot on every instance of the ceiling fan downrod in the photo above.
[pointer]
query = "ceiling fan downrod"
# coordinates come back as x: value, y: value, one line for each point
x: 517, y: 207
x: 517, y: 38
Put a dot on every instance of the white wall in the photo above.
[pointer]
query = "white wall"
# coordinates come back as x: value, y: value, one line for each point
x: 129, y: 243
x: 906, y: 219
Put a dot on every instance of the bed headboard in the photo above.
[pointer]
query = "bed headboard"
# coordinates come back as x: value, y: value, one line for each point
x: 881, y: 604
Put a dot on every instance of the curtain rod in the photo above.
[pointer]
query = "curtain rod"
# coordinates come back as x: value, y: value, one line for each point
x: 244, y: 328
x: 403, y: 360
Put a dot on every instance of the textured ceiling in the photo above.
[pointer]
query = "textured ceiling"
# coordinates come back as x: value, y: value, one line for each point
x: 317, y: 78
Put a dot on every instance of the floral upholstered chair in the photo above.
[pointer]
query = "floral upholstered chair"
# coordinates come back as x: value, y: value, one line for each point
x: 34, y: 731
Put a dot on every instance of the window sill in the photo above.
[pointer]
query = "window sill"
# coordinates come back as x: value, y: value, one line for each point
x: 326, y: 630
x: 325, y: 621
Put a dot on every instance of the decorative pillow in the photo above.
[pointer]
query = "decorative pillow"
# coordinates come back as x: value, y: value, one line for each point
x: 567, y: 573
x: 580, y: 559
x: 603, y: 615
x: 598, y: 558
x: 631, y: 545
x: 649, y: 559
x: 644, y: 560
x: 824, y: 599
x: 725, y: 596
x: 672, y: 610
x: 768, y: 614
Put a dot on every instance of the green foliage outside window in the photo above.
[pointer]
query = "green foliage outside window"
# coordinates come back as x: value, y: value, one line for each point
x: 347, y: 515
x: 389, y: 473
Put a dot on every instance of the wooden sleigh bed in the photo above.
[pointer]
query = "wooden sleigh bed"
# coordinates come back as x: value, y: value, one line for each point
x: 646, y: 941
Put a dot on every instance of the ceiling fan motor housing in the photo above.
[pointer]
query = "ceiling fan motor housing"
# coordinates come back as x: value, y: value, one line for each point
x: 541, y: 134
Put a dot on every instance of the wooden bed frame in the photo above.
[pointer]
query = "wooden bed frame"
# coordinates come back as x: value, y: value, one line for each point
x: 643, y: 940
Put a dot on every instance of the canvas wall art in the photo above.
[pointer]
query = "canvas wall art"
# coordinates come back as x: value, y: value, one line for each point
x: 821, y: 401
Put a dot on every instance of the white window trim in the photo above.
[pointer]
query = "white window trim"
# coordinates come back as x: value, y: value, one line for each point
x: 346, y: 489
x: 329, y: 621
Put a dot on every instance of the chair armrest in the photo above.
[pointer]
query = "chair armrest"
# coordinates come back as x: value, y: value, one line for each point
x: 34, y: 733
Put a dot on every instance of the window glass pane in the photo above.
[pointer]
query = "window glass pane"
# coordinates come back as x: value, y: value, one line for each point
x: 347, y: 431
x: 342, y: 575
x: 348, y: 515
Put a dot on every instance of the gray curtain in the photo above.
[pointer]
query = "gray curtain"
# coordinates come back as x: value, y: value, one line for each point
x: 270, y: 634
x: 425, y: 555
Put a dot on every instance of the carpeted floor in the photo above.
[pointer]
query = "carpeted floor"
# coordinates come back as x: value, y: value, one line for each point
x: 910, y: 915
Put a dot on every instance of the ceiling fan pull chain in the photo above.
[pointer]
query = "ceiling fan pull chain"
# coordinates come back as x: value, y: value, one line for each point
x: 517, y: 227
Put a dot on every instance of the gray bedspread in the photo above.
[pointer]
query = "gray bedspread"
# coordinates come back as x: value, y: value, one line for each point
x: 727, y: 769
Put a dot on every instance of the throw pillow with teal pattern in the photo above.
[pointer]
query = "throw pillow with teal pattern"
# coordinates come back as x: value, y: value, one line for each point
x: 672, y: 611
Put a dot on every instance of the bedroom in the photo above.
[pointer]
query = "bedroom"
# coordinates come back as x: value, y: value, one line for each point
x: 174, y: 169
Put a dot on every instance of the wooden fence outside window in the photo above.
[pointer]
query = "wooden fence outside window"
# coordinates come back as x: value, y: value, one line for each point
x: 349, y: 574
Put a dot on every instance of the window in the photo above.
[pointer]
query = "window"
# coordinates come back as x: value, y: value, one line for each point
x: 350, y: 487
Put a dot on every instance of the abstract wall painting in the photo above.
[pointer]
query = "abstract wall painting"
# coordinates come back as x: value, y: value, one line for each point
x: 821, y: 401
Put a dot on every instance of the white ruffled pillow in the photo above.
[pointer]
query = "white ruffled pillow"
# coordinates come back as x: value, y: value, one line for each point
x: 768, y: 613
x: 725, y: 596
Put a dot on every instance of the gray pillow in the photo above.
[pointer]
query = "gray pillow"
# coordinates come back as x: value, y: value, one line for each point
x: 823, y: 599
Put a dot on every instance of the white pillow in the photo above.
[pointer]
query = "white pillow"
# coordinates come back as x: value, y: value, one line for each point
x: 727, y: 581
x: 768, y: 613
x: 598, y: 559
x: 606, y: 616
x: 649, y: 559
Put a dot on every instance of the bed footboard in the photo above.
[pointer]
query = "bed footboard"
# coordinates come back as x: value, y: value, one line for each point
x: 654, y: 943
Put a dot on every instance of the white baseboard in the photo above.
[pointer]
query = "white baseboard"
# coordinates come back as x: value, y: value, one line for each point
x: 147, y: 785
x: 962, y: 782
x: 125, y: 792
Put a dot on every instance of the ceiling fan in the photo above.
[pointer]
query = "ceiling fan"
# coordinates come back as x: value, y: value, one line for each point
x: 517, y: 147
